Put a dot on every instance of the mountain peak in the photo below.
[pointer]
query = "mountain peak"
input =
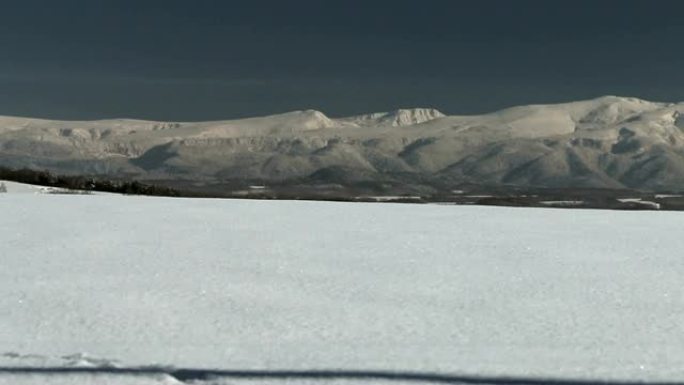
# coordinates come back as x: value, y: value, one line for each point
x: 308, y: 119
x: 623, y: 99
x: 397, y: 118
x: 406, y: 117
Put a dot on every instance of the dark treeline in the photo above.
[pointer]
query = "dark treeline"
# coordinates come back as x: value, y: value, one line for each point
x: 83, y: 183
x: 358, y: 192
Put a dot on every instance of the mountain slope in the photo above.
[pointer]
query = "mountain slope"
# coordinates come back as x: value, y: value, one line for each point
x: 608, y: 142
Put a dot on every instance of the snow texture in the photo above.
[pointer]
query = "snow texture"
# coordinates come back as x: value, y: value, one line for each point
x: 120, y: 281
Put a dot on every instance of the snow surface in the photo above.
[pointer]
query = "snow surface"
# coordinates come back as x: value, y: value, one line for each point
x: 653, y: 205
x: 107, y: 280
x: 21, y: 188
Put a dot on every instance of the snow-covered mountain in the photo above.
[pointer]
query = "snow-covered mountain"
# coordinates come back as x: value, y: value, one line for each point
x: 401, y: 117
x: 611, y: 142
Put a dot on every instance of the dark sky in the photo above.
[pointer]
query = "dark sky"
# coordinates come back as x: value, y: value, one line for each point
x: 205, y: 59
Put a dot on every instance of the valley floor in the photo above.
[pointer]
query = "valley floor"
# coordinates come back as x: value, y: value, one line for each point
x: 125, y: 281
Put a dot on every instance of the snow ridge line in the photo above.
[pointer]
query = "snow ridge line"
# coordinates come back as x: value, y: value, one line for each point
x: 188, y: 374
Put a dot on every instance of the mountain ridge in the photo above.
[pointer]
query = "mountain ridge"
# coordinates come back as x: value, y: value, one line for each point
x: 606, y: 142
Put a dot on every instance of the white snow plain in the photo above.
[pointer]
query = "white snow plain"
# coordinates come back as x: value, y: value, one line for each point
x: 107, y: 280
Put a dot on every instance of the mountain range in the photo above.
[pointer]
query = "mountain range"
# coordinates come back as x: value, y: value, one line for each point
x: 608, y: 142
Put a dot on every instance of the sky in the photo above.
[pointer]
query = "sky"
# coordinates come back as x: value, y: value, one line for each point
x: 219, y: 59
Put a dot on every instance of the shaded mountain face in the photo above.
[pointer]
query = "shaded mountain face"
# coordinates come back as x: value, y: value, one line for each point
x: 609, y: 142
